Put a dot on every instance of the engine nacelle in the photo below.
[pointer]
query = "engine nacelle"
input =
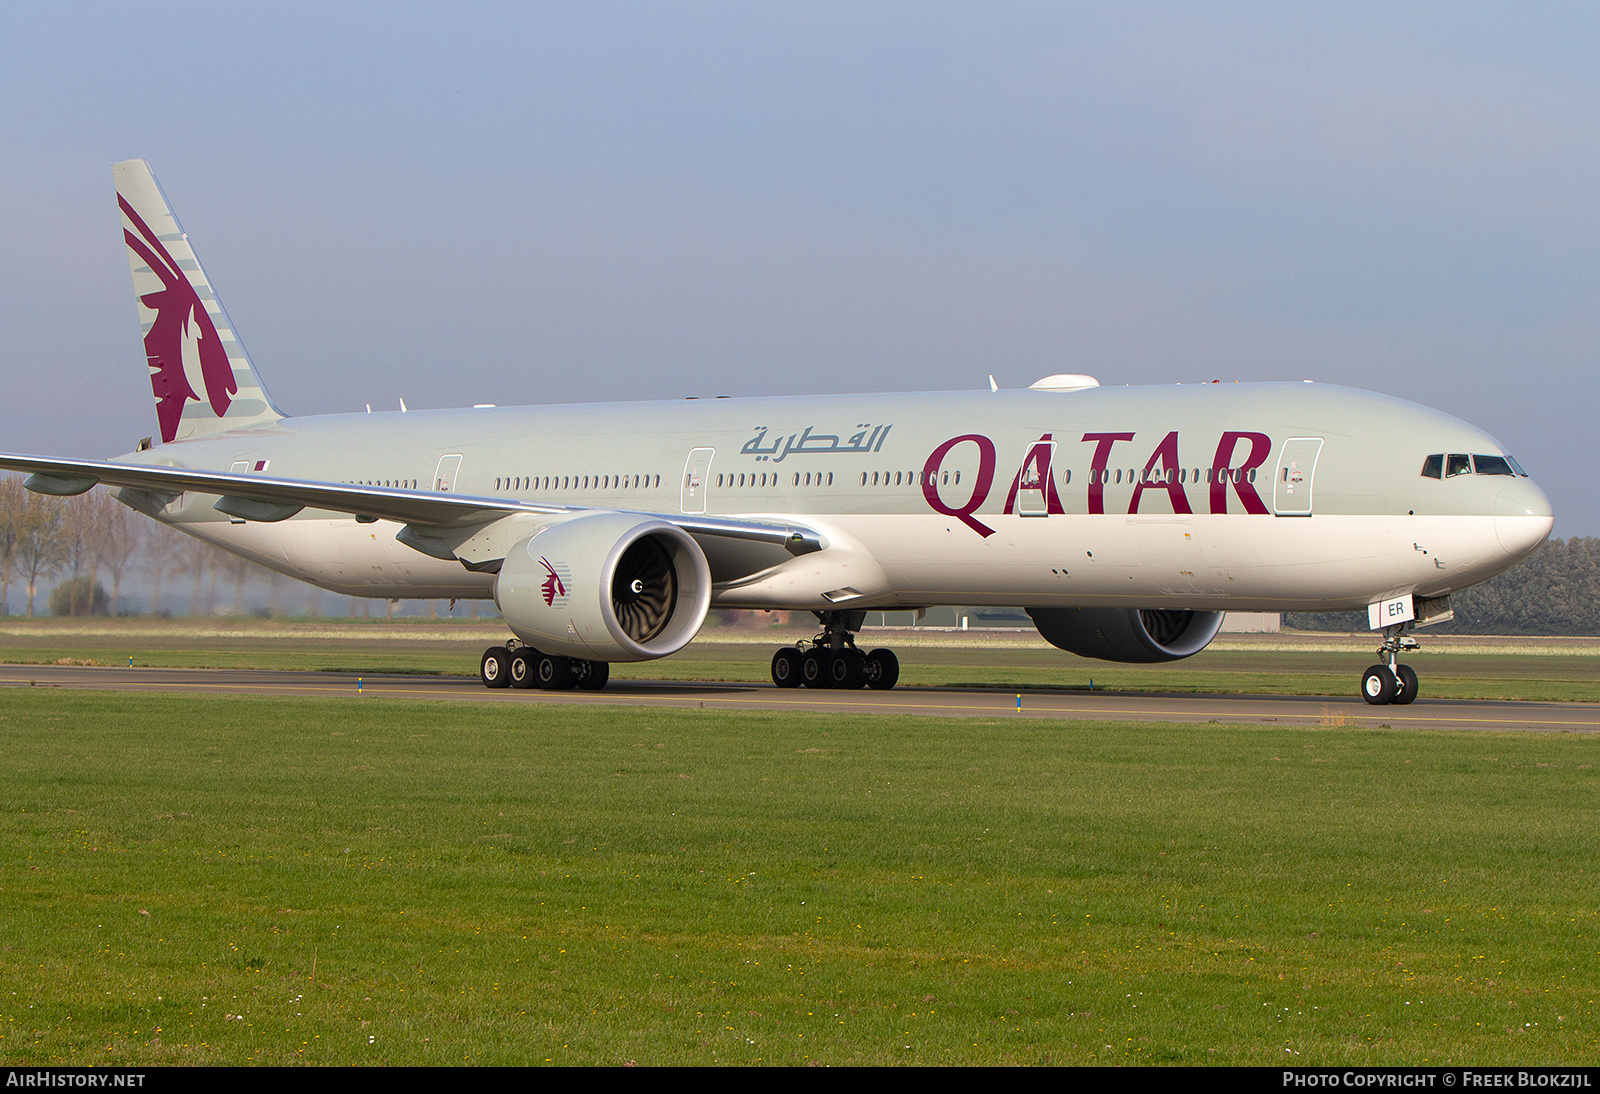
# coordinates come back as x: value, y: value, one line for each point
x: 1123, y: 634
x: 605, y: 587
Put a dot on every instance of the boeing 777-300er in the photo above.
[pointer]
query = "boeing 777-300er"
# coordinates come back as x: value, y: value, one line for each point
x: 1125, y: 520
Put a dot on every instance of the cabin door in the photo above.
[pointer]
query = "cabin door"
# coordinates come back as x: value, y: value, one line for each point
x: 696, y: 480
x: 444, y: 479
x: 1033, y: 483
x: 1291, y: 488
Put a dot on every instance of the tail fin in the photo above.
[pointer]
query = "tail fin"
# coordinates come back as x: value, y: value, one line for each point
x: 202, y: 378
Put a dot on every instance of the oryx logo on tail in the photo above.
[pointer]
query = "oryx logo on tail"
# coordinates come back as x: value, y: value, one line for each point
x: 182, y: 345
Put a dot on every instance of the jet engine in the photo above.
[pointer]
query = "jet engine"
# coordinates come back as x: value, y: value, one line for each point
x: 1122, y: 634
x: 605, y: 587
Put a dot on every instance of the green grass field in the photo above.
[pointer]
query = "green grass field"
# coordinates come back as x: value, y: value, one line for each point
x: 1456, y: 668
x: 223, y: 881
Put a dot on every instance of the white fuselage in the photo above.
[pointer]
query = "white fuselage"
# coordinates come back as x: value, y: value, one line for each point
x: 1215, y: 497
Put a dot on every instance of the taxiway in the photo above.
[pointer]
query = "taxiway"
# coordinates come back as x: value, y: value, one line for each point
x: 1296, y: 710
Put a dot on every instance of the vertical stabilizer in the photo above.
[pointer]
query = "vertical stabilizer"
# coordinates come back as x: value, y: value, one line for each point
x: 199, y: 371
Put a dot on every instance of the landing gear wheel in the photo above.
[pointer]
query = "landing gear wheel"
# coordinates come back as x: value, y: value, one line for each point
x: 495, y: 669
x: 1406, y: 691
x: 882, y: 670
x: 591, y: 675
x: 1390, y: 681
x: 814, y: 668
x: 555, y: 673
x: 786, y: 667
x: 832, y: 659
x: 847, y: 670
x: 523, y: 671
x: 1378, y: 685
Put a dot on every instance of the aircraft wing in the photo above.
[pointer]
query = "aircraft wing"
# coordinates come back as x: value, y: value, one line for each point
x: 269, y: 498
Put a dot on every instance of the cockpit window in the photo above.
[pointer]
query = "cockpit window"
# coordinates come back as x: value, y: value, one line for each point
x: 1440, y: 466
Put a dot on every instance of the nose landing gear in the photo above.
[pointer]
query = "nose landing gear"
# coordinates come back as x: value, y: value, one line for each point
x: 1391, y: 682
x: 831, y: 659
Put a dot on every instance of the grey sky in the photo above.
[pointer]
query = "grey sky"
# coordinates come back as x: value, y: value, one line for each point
x: 548, y: 203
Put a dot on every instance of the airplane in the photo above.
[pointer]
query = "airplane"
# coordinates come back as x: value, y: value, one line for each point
x: 1125, y: 520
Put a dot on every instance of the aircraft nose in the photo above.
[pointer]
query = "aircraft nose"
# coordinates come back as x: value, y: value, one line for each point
x: 1522, y: 518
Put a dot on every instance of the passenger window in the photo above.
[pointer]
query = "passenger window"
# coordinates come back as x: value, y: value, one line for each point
x: 1458, y: 465
x: 1433, y: 467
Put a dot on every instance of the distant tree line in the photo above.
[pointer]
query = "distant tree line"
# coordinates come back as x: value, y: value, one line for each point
x: 93, y: 541
x: 1557, y: 591
x: 42, y: 537
x: 93, y: 548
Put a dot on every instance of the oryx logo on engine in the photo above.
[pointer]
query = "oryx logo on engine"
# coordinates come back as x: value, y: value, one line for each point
x: 555, y: 586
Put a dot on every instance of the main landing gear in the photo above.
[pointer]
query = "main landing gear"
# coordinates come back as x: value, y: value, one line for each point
x: 516, y: 665
x: 831, y: 660
x: 1391, y: 682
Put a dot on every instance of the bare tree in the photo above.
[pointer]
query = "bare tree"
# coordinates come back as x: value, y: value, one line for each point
x: 194, y: 557
x: 40, y: 546
x: 239, y: 570
x: 122, y: 533
x: 11, y: 503
x: 161, y: 557
x: 85, y: 529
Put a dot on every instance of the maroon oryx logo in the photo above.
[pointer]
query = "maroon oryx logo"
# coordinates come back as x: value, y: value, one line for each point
x: 553, y: 586
x: 182, y: 330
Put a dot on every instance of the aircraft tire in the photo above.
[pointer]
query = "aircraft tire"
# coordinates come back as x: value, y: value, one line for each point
x: 592, y: 675
x: 495, y: 668
x: 882, y: 670
x: 1406, y: 691
x: 847, y: 670
x: 786, y: 667
x: 523, y: 671
x: 555, y: 672
x: 814, y: 668
x: 1378, y: 685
